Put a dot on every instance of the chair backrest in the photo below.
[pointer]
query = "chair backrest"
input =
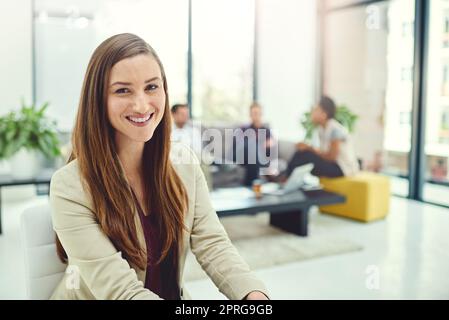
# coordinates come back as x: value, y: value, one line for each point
x: 43, y: 269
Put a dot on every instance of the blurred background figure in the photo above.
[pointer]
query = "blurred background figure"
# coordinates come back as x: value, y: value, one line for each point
x: 439, y: 170
x: 252, y: 144
x: 377, y: 163
x: 183, y: 130
x: 335, y: 156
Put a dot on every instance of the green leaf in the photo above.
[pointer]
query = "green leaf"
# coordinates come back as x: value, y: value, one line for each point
x: 29, y: 128
x: 343, y: 115
x: 42, y: 109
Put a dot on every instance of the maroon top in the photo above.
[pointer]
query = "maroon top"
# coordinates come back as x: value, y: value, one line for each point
x: 160, y: 278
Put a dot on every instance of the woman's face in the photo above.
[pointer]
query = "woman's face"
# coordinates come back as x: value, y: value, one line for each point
x: 318, y: 116
x: 136, y: 98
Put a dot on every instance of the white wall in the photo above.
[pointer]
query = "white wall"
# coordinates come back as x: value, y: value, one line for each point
x: 355, y: 74
x: 15, y: 54
x: 287, y: 59
x: 62, y: 55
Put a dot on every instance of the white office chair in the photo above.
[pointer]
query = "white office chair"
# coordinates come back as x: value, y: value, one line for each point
x: 43, y: 269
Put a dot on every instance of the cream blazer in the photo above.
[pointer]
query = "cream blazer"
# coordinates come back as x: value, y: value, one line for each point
x: 96, y: 270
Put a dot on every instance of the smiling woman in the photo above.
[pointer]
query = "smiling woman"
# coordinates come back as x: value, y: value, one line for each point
x: 136, y: 98
x: 125, y: 209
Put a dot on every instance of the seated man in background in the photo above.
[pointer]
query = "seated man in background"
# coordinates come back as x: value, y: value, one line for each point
x: 335, y: 156
x: 253, y: 141
x: 183, y: 131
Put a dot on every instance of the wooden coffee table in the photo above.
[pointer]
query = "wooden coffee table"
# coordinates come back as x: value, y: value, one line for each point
x: 288, y: 212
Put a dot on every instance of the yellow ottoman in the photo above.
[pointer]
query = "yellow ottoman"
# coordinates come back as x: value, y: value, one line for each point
x: 367, y: 196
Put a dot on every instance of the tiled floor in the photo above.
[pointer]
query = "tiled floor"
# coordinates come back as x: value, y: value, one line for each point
x: 405, y: 256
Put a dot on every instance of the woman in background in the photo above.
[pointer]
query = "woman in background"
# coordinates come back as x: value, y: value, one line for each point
x: 335, y: 156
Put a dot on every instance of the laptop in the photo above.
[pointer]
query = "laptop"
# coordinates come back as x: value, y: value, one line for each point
x: 294, y: 182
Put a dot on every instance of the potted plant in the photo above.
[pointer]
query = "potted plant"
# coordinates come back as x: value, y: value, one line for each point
x: 343, y: 115
x: 26, y: 136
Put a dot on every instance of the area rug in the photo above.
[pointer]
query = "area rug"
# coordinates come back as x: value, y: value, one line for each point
x: 263, y: 246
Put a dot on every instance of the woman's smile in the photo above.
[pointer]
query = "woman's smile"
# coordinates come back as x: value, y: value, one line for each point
x: 141, y: 120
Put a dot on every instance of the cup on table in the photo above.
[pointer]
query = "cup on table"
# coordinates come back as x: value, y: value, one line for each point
x: 257, y: 188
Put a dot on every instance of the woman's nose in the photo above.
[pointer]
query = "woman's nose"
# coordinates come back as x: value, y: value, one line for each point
x: 141, y: 103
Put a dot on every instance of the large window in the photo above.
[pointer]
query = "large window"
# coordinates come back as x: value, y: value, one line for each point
x: 368, y: 66
x: 223, y: 50
x: 399, y: 92
x: 437, y: 105
x: 67, y: 32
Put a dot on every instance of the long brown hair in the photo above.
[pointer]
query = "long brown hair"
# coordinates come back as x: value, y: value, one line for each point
x: 100, y: 168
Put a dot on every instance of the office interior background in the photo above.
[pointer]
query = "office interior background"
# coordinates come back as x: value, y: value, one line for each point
x: 387, y: 61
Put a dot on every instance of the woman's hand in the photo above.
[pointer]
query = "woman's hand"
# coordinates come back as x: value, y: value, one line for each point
x: 302, y: 146
x: 256, y: 295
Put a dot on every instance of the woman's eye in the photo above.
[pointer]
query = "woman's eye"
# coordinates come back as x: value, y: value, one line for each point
x: 122, y: 90
x: 152, y: 87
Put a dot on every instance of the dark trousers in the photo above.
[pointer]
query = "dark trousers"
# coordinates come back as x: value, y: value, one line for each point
x: 252, y: 172
x: 252, y: 168
x: 322, y: 167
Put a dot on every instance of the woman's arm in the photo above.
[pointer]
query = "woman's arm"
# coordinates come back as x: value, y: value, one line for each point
x: 330, y: 155
x: 215, y: 252
x: 100, y: 265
